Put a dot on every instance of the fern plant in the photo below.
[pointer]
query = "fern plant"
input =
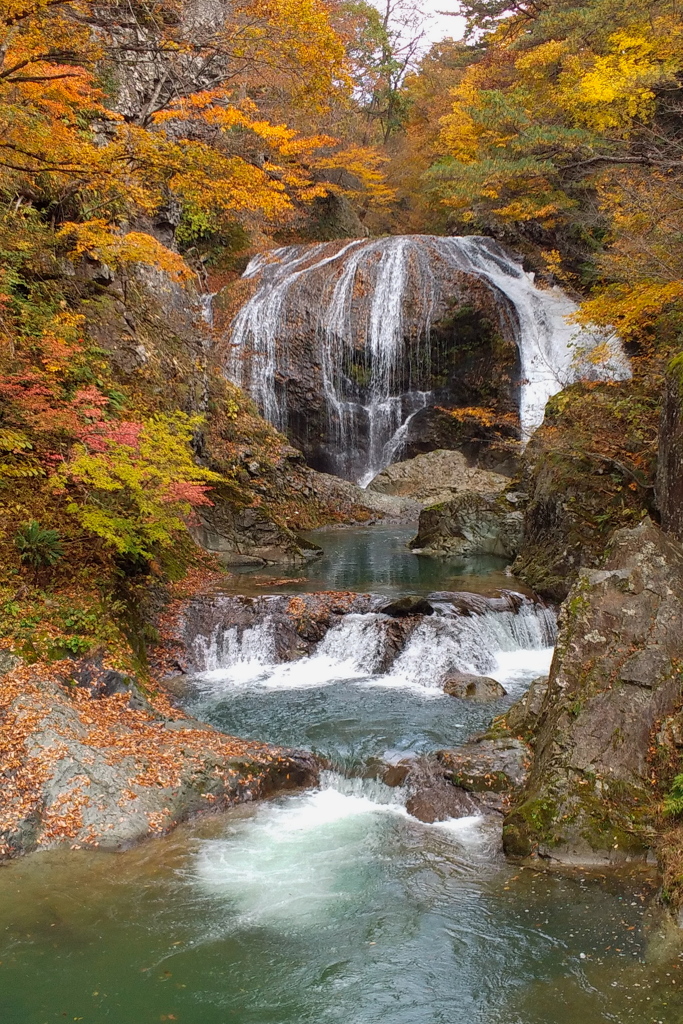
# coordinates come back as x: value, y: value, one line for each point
x: 673, y: 801
x: 38, y: 548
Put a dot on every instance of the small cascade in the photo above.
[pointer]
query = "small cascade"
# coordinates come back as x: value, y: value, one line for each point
x: 366, y: 310
x: 206, y: 307
x: 481, y: 645
x: 371, y: 790
x: 372, y: 648
x: 244, y: 650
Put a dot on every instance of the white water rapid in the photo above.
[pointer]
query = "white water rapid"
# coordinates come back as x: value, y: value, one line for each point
x: 511, y: 647
x: 288, y: 867
x: 376, y: 302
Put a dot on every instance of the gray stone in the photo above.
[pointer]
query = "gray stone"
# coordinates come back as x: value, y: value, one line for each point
x: 95, y: 783
x: 335, y: 490
x: 523, y: 715
x: 432, y: 797
x: 8, y: 662
x: 436, y: 477
x: 470, y: 524
x: 476, y: 688
x: 487, y: 765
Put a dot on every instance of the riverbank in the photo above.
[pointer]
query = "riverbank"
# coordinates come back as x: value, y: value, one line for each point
x: 92, y: 761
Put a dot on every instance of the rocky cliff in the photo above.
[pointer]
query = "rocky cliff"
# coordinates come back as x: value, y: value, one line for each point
x: 670, y: 455
x: 601, y: 736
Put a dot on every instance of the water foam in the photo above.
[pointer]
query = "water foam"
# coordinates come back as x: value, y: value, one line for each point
x: 289, y: 865
x: 303, y: 860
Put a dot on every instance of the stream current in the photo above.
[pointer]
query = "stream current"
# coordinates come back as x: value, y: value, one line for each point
x: 335, y: 905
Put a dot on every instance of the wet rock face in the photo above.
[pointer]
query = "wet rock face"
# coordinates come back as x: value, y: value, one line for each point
x: 411, y: 604
x: 471, y: 524
x: 490, y: 769
x: 616, y: 674
x: 444, y: 335
x: 438, y: 800
x: 523, y: 716
x: 432, y: 429
x: 432, y: 797
x: 210, y: 622
x: 480, y: 777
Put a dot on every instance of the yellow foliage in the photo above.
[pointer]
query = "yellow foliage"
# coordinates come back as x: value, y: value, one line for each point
x: 95, y: 238
x: 630, y: 310
x: 487, y: 417
x: 366, y: 164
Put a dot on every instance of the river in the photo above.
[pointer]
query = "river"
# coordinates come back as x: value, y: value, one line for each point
x: 335, y: 905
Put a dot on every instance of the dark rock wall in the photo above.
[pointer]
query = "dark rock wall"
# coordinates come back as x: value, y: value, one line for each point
x: 670, y: 459
x: 458, y: 343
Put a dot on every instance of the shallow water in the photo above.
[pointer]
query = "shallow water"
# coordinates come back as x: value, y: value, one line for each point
x: 335, y: 905
x: 375, y: 558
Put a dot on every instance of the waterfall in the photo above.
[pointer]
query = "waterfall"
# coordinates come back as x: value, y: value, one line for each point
x: 370, y: 306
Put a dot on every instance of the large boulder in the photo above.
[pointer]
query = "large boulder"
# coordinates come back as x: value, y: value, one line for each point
x: 432, y: 797
x: 471, y: 524
x: 490, y: 768
x: 249, y: 536
x: 616, y: 674
x: 376, y: 504
x: 435, y: 477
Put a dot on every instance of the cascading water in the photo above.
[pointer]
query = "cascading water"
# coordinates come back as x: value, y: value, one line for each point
x: 206, y: 307
x: 360, y: 647
x: 371, y: 307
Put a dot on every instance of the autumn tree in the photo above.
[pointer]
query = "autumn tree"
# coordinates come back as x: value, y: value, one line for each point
x: 569, y: 122
x: 110, y: 113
